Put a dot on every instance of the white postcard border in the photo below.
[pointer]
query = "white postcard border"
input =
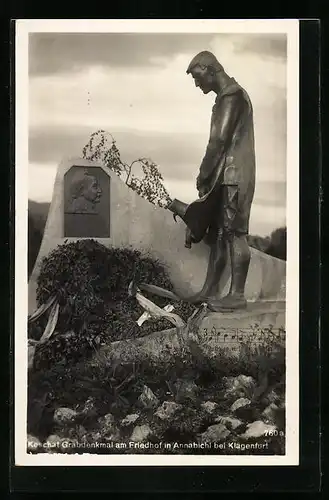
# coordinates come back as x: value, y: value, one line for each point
x: 23, y: 28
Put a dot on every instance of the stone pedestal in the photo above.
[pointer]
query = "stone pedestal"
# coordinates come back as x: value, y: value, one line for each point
x: 239, y: 325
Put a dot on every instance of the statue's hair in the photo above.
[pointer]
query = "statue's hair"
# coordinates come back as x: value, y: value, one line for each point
x: 205, y: 59
x: 80, y: 182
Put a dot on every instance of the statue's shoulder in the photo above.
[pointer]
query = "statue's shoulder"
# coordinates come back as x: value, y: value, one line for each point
x: 228, y: 99
x: 234, y: 93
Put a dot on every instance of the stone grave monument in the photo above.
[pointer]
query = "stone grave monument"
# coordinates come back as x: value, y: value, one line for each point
x: 91, y: 201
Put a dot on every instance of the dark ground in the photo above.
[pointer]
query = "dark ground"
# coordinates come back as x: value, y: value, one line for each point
x: 91, y: 283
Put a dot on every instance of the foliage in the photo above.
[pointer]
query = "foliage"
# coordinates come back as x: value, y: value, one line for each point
x: 274, y: 245
x: 278, y: 243
x: 90, y: 282
x: 102, y: 148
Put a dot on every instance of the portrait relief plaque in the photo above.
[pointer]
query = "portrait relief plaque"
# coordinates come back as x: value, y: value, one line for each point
x: 193, y: 271
x: 86, y: 203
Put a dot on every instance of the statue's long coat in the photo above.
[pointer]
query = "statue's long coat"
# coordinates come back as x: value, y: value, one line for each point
x: 241, y: 162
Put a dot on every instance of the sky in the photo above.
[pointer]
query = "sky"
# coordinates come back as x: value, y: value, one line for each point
x: 135, y: 86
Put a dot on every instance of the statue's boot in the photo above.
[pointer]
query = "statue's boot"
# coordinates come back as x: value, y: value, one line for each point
x: 240, y: 259
x: 216, y: 266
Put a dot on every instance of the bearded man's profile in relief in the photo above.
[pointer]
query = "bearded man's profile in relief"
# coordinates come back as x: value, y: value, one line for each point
x: 232, y: 141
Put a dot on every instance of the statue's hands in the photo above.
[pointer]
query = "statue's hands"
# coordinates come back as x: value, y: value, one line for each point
x: 188, y: 238
x: 201, y: 186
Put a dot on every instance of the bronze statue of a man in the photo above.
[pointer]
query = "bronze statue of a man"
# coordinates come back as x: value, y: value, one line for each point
x: 231, y: 144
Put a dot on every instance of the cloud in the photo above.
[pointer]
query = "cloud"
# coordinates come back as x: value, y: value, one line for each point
x: 270, y: 194
x: 51, y: 53
x: 266, y: 214
x: 264, y: 219
x: 154, y: 110
x: 159, y: 102
x: 178, y: 156
x: 52, y: 144
x: 62, y: 52
x: 41, y: 181
x: 273, y: 45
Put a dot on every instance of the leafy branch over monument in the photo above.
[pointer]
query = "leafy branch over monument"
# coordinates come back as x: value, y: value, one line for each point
x: 102, y: 148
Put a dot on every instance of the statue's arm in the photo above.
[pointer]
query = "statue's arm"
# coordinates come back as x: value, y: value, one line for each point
x: 227, y: 115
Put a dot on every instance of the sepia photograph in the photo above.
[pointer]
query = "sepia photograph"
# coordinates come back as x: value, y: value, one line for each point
x: 156, y: 284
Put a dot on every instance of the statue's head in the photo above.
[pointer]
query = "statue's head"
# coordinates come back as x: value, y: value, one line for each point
x: 86, y: 186
x: 204, y: 68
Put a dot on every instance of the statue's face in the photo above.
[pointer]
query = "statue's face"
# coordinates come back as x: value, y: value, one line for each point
x: 203, y: 79
x: 93, y: 191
